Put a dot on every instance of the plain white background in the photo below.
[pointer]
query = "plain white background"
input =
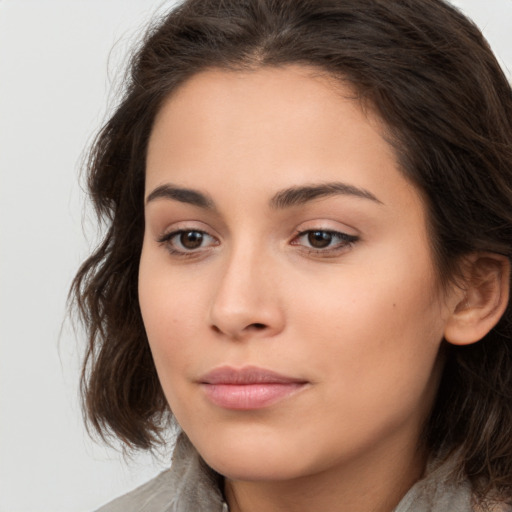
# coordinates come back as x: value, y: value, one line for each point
x: 58, y: 62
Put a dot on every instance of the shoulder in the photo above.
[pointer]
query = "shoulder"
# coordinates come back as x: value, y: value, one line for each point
x: 444, y: 489
x: 153, y: 496
x: 189, y: 486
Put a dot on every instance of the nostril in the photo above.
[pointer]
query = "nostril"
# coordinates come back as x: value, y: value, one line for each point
x: 255, y: 326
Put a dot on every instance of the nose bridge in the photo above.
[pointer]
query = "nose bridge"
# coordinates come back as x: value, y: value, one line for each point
x: 246, y: 299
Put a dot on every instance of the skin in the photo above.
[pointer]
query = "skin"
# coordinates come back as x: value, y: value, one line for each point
x: 360, y: 321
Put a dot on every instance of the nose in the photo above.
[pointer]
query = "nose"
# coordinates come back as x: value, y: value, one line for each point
x: 246, y: 301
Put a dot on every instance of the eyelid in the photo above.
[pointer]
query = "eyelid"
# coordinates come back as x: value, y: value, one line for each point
x: 166, y: 239
x: 327, y: 224
x: 344, y: 240
x: 171, y: 234
x: 183, y: 225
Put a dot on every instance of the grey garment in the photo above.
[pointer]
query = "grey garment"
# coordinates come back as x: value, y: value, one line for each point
x: 438, y: 491
x: 190, y: 486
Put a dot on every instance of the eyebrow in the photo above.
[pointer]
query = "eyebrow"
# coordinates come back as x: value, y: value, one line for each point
x: 294, y: 196
x: 183, y: 195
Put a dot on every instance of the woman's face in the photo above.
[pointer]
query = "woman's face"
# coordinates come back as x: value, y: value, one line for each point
x: 286, y: 280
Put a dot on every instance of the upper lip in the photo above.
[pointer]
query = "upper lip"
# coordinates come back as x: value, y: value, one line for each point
x: 246, y: 375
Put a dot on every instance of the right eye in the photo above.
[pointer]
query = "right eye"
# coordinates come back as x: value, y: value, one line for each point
x: 185, y: 242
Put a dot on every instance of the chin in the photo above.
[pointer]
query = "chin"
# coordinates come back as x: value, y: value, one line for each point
x: 250, y: 468
x: 254, y: 458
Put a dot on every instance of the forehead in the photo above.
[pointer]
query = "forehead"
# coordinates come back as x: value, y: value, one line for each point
x: 218, y: 88
x: 266, y: 115
x: 225, y: 133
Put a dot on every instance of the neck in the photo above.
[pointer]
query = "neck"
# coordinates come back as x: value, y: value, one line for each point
x: 374, y: 483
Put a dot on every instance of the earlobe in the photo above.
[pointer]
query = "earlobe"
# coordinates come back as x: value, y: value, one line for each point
x: 486, y: 280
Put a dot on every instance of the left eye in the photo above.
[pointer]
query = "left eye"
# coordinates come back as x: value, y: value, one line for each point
x: 187, y: 240
x: 318, y: 239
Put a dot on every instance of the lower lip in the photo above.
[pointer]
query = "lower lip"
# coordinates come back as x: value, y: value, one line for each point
x: 247, y: 397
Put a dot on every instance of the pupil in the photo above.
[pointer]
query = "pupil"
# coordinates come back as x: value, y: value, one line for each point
x: 191, y: 239
x: 319, y: 239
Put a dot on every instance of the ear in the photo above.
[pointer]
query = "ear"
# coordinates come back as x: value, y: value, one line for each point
x: 482, y: 300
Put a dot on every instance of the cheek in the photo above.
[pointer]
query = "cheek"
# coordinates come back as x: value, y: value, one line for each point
x: 169, y: 308
x: 375, y: 334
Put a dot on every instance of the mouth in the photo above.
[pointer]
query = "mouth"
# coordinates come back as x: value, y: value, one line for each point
x: 248, y: 388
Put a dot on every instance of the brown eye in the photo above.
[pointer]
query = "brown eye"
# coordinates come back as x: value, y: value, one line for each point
x: 319, y: 239
x: 191, y: 239
x: 324, y: 242
x: 187, y: 242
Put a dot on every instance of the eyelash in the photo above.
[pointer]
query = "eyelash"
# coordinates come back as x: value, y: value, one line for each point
x: 167, y: 240
x: 345, y: 241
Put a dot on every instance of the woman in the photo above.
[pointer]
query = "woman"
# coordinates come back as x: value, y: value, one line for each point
x: 307, y: 262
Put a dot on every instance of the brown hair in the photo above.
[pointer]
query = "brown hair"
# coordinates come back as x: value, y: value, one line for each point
x: 430, y: 75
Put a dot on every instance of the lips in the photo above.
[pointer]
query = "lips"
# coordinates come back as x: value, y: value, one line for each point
x: 248, y: 388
